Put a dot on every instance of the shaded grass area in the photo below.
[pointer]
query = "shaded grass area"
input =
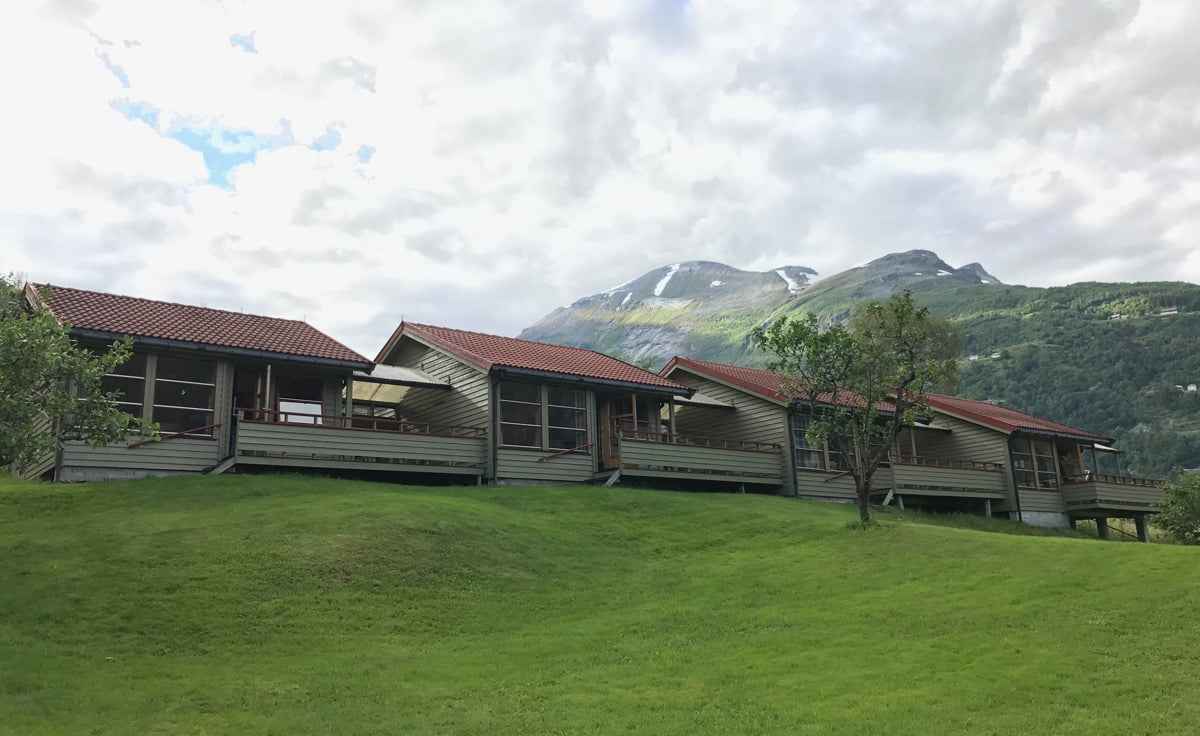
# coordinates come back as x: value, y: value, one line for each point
x: 290, y: 605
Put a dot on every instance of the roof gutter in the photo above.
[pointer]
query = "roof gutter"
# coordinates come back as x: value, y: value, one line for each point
x: 1061, y: 435
x: 200, y: 347
x: 501, y: 370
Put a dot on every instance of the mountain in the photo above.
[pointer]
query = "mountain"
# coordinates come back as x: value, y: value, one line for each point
x: 665, y: 311
x: 1115, y: 358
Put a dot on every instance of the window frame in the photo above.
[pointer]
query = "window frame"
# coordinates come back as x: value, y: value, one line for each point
x: 544, y: 431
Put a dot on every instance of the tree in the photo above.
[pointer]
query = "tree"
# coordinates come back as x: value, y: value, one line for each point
x: 864, y: 380
x: 1180, y: 512
x: 50, y: 388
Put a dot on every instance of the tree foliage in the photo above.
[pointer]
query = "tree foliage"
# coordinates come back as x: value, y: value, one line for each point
x: 50, y: 388
x: 864, y: 380
x: 1180, y: 514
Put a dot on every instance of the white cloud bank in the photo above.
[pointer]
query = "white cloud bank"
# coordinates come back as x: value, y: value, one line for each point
x: 526, y: 154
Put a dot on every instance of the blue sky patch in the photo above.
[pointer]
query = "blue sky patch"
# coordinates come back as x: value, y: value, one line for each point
x: 327, y: 141
x: 136, y: 110
x: 225, y: 148
x: 243, y: 42
x: 365, y: 153
x: 117, y: 71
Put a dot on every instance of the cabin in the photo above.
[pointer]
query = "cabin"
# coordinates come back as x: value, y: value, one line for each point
x: 556, y: 414
x: 966, y: 455
x: 205, y: 376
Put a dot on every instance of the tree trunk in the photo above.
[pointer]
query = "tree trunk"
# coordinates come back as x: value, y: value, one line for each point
x: 864, y: 502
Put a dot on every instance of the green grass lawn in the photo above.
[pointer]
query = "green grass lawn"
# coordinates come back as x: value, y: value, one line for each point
x: 289, y: 605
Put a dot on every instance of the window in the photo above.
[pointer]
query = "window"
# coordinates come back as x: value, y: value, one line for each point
x: 183, y: 394
x: 520, y: 415
x: 566, y: 418
x: 542, y: 417
x: 808, y: 455
x: 1033, y: 463
x: 300, y: 400
x: 129, y: 380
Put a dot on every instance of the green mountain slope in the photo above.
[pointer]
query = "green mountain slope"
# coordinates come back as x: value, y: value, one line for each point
x: 1061, y: 356
x: 290, y: 605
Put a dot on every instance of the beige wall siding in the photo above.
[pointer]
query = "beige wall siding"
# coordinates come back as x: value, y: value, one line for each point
x: 465, y: 404
x: 519, y: 465
x: 1032, y: 500
x: 81, y: 462
x: 751, y: 419
x: 966, y: 441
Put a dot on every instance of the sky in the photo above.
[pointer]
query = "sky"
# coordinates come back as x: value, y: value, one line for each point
x: 478, y: 164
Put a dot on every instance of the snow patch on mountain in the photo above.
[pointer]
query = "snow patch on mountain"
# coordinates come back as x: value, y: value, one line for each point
x: 662, y: 284
x: 792, y: 285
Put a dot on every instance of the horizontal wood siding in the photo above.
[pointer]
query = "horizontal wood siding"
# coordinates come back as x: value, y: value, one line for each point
x: 966, y: 441
x: 682, y: 461
x: 170, y: 456
x: 317, y: 447
x: 931, y: 480
x: 751, y: 418
x: 830, y: 484
x: 1099, y: 495
x: 465, y: 404
x: 524, y: 465
x: 1032, y: 500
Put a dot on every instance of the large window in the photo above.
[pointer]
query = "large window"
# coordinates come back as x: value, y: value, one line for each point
x: 542, y: 417
x: 808, y: 455
x: 183, y: 394
x: 1033, y: 463
x: 128, y: 380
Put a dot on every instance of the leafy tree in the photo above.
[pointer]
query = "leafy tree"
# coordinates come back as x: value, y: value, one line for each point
x: 864, y: 380
x: 1180, y: 514
x: 50, y: 388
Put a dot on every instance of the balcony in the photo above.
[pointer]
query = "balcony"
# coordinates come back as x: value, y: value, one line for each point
x: 935, y: 476
x: 1091, y: 493
x: 301, y: 440
x: 665, y: 455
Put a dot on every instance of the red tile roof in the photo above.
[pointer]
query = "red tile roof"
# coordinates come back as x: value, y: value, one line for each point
x: 146, y: 318
x: 1005, y: 419
x: 755, y: 380
x: 488, y: 351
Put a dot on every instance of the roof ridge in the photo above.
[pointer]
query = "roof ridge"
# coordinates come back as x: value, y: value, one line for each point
x: 517, y: 339
x: 171, y: 303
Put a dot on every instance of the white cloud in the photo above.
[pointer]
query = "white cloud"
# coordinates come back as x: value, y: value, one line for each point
x: 527, y: 154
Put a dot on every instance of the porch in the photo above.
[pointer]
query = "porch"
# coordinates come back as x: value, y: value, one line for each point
x: 651, y: 454
x: 1111, y: 495
x: 324, y: 441
x: 937, y: 476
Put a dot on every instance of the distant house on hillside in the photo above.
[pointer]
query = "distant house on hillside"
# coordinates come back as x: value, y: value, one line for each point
x: 1168, y: 311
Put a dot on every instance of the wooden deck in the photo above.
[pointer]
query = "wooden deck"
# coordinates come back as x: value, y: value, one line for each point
x: 930, y: 476
x: 665, y: 455
x: 360, y: 443
x: 1112, y: 495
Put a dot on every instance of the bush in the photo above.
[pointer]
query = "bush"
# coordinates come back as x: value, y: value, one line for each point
x: 1180, y: 516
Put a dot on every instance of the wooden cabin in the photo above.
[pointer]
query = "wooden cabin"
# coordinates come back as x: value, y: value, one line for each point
x: 556, y: 414
x: 967, y: 455
x: 205, y: 376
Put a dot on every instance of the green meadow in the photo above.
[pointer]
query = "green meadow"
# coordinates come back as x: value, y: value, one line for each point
x: 298, y: 605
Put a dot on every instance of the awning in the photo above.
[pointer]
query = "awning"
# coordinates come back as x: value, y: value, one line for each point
x: 699, y: 399
x: 388, y: 384
x: 396, y: 375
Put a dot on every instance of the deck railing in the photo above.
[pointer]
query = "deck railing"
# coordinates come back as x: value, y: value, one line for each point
x: 688, y: 440
x: 942, y: 462
x: 1120, y: 480
x: 359, y: 422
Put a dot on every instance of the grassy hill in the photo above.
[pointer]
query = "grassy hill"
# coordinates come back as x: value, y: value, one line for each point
x: 288, y: 605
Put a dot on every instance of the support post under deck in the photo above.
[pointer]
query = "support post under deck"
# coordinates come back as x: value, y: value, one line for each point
x: 1143, y: 529
x: 1102, y: 527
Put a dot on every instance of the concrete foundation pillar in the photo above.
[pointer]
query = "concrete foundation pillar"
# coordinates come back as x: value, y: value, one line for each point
x: 1143, y: 529
x: 987, y: 507
x: 1102, y: 528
